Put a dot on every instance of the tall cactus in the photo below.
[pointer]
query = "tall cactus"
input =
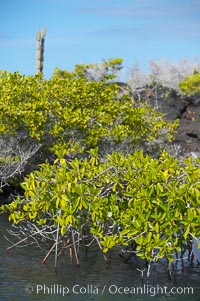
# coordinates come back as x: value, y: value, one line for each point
x: 40, y: 38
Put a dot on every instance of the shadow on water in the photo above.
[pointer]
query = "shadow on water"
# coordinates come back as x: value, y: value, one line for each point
x: 23, y: 277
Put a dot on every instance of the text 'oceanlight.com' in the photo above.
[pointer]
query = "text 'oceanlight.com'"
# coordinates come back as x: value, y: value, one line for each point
x: 112, y: 289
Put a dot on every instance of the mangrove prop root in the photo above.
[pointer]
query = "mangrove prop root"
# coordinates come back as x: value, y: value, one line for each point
x: 49, y: 252
x: 70, y: 255
x: 75, y: 250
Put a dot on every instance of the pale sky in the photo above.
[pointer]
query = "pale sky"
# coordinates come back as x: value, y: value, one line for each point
x: 87, y: 31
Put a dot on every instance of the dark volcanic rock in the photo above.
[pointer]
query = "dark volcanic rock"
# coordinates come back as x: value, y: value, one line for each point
x: 176, y: 106
x: 169, y: 103
x: 188, y: 135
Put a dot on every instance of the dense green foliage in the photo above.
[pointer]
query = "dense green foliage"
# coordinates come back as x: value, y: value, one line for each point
x: 75, y: 113
x: 99, y: 182
x: 154, y: 202
x: 191, y: 84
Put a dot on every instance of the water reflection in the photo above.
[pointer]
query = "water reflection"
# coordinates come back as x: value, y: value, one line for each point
x: 21, y: 269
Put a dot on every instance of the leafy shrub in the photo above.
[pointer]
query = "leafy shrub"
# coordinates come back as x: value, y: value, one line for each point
x: 97, y: 72
x: 73, y: 114
x: 191, y: 84
x: 100, y: 185
x: 118, y: 201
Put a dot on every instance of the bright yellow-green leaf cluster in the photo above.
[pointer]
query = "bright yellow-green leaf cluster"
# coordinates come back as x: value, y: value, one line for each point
x: 191, y: 84
x: 116, y: 197
x: 152, y: 202
x: 71, y: 111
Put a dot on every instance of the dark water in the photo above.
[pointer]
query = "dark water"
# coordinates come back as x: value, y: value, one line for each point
x: 23, y: 277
